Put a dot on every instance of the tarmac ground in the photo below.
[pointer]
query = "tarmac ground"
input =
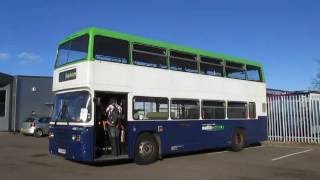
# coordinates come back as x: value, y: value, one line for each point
x: 27, y: 157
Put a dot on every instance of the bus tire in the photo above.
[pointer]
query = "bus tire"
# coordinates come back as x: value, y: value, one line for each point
x: 146, y: 149
x: 38, y: 133
x: 238, y: 140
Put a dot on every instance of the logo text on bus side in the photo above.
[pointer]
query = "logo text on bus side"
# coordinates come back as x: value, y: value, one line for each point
x: 212, y: 127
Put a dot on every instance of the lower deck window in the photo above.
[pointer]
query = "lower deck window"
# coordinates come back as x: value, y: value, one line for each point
x: 150, y: 108
x: 252, y: 110
x: 185, y: 109
x: 237, y: 110
x: 213, y: 110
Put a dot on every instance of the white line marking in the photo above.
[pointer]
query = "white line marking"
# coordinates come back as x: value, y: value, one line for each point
x: 290, y: 147
x: 288, y: 155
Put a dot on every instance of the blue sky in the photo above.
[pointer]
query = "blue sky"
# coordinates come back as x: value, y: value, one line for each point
x: 284, y: 35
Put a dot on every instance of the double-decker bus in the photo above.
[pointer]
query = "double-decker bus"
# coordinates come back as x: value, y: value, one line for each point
x: 174, y: 98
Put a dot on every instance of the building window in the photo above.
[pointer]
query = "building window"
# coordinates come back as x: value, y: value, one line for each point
x: 183, y: 62
x: 184, y: 109
x: 211, y: 66
x: 149, y: 56
x: 213, y: 110
x: 253, y: 73
x: 237, y: 110
x: 110, y: 49
x: 150, y: 108
x: 252, y: 110
x: 2, y: 103
x: 235, y: 70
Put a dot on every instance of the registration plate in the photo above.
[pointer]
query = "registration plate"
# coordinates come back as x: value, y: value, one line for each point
x: 61, y: 151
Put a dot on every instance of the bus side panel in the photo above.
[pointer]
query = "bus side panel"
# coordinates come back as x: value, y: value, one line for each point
x: 220, y: 137
x: 222, y: 128
x: 184, y: 136
x: 256, y: 130
x: 175, y: 136
x: 72, y: 142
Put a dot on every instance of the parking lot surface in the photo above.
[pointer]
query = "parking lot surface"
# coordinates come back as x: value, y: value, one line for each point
x: 27, y: 158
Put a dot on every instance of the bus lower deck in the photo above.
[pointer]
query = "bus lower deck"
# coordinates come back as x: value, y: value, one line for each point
x: 150, y: 137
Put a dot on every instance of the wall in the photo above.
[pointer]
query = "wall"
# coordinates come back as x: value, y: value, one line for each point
x: 33, y: 94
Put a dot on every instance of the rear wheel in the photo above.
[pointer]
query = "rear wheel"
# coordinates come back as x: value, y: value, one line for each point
x: 238, y: 140
x: 146, y: 149
x: 38, y: 133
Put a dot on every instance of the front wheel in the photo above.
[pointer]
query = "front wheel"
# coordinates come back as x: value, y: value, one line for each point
x: 238, y: 140
x: 146, y: 149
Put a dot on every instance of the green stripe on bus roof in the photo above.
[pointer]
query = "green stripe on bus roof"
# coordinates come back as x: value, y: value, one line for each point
x: 137, y: 39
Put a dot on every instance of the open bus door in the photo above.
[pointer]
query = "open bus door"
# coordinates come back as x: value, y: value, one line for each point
x: 103, y: 147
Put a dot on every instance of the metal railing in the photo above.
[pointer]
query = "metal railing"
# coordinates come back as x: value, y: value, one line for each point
x: 294, y: 118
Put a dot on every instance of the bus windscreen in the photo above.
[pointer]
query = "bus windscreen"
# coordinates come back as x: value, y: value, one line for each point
x: 73, y: 50
x: 72, y: 107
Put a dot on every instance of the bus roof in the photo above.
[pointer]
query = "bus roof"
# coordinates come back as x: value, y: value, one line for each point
x: 161, y: 44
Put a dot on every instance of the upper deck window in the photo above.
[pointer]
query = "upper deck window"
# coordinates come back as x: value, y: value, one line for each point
x: 73, y: 50
x: 110, y: 49
x: 149, y: 56
x: 235, y: 70
x: 183, y: 62
x: 211, y: 66
x: 253, y: 73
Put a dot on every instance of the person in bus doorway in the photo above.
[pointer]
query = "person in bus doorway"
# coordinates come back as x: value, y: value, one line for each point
x: 113, y: 112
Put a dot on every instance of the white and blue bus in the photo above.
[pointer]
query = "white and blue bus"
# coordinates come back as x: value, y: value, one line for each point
x: 175, y: 99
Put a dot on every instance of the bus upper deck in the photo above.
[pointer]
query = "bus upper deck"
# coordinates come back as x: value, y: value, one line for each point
x: 105, y: 45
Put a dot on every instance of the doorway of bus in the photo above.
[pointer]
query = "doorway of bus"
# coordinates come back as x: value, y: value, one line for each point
x: 103, y: 146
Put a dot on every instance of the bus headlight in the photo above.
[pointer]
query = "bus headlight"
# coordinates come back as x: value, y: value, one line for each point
x: 51, y: 135
x: 76, y: 138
